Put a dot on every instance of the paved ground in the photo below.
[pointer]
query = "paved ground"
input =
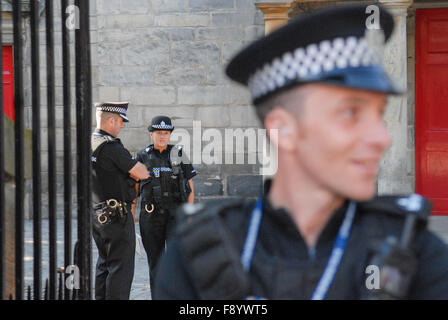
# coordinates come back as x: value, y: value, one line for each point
x: 140, y: 286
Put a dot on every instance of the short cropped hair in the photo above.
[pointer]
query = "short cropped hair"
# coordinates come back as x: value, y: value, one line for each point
x: 292, y: 100
x: 102, y: 116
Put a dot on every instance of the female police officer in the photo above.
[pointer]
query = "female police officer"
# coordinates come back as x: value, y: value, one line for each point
x: 170, y: 184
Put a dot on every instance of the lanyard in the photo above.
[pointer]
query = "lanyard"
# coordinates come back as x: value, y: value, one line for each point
x: 336, y: 254
x: 335, y: 257
x: 251, y: 237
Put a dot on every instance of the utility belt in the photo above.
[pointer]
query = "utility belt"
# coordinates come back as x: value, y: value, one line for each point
x: 154, y: 199
x: 160, y: 204
x: 111, y: 210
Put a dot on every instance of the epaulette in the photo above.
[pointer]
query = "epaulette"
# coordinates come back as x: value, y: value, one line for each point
x: 99, y: 139
x: 149, y: 148
x: 179, y: 149
x: 400, y: 206
x: 207, y: 247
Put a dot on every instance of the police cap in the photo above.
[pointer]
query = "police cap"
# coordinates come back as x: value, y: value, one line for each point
x: 161, y: 123
x: 335, y: 46
x: 119, y: 108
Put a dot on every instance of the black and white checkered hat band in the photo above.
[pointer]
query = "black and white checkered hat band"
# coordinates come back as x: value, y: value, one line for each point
x: 162, y: 126
x: 112, y: 109
x: 311, y: 61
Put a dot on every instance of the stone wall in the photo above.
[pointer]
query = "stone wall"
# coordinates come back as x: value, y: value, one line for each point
x: 168, y: 57
x: 410, y: 34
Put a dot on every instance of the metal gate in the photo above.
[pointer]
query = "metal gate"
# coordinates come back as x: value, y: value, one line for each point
x: 73, y: 280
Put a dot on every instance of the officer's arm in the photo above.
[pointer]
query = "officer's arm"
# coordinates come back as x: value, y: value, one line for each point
x: 191, y: 195
x: 124, y: 161
x: 139, y: 172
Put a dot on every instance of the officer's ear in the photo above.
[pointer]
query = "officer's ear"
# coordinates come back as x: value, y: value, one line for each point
x: 282, y: 129
x: 111, y: 120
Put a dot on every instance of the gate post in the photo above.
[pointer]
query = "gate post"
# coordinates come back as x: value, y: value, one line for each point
x: 83, y: 133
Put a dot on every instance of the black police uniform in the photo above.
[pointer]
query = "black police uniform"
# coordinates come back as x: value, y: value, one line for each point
x: 235, y: 249
x: 113, y: 224
x: 282, y: 266
x: 160, y: 195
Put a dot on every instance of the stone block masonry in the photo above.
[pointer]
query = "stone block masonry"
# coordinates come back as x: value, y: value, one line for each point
x: 168, y: 57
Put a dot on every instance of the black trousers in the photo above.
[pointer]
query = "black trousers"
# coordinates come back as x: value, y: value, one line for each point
x: 155, y: 228
x: 116, y: 253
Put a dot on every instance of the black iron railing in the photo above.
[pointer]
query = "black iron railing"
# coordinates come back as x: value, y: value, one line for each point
x: 37, y: 185
x: 19, y: 148
x: 83, y: 132
x: 67, y: 143
x: 56, y: 279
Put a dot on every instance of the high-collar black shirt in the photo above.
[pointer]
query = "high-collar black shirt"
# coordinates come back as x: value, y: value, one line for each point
x: 111, y: 163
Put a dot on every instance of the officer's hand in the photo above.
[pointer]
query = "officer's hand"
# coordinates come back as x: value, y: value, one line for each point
x: 139, y: 171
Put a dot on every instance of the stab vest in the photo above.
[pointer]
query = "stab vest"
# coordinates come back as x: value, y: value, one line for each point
x: 214, y: 259
x: 162, y: 188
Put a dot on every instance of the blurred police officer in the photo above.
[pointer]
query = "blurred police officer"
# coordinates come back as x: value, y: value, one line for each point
x: 170, y: 184
x: 317, y: 232
x: 114, y: 175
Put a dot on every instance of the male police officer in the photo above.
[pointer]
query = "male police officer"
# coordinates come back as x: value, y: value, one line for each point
x: 114, y: 176
x: 315, y: 233
x: 169, y: 185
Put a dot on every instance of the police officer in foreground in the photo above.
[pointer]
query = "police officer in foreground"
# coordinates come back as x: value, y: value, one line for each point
x: 169, y: 185
x: 115, y: 173
x: 318, y: 232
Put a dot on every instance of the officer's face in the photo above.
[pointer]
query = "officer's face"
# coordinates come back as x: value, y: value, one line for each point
x: 116, y: 124
x: 340, y: 137
x: 161, y: 138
